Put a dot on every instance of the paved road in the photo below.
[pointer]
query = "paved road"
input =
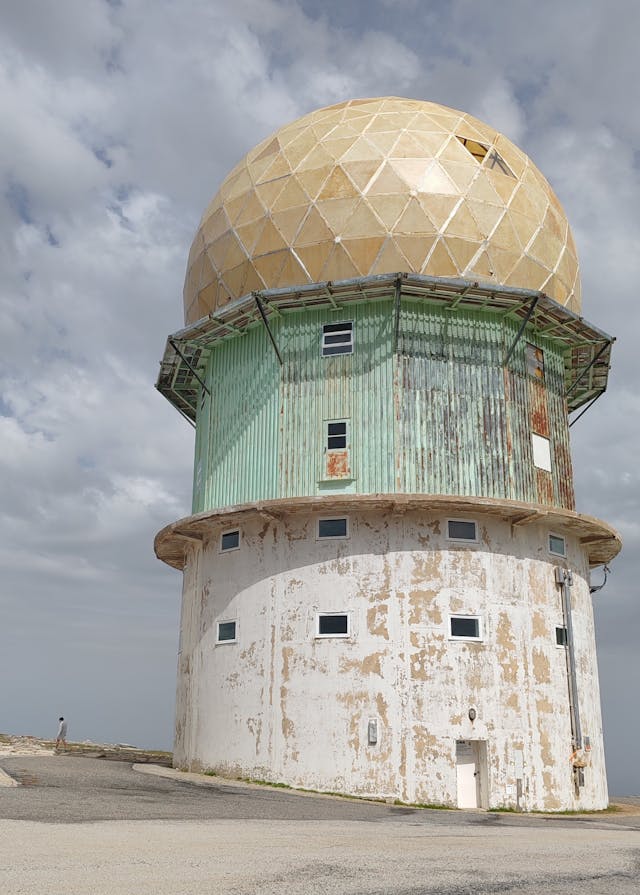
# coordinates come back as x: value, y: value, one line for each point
x: 87, y: 827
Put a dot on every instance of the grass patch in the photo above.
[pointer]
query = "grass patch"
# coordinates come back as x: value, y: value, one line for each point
x: 266, y: 783
x: 430, y: 806
x: 610, y: 809
x: 433, y: 806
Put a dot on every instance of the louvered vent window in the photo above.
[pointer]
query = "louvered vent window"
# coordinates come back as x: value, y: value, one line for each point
x: 337, y: 338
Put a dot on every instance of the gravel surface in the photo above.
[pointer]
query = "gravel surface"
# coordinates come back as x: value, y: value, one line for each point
x: 82, y: 826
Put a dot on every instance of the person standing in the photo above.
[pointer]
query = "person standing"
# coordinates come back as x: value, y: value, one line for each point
x: 62, y: 734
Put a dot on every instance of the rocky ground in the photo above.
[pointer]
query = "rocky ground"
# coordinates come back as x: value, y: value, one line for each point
x: 28, y: 745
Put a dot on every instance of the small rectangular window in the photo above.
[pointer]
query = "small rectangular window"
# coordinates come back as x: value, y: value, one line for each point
x: 541, y: 452
x: 333, y: 528
x: 337, y: 338
x: 332, y: 624
x: 230, y: 540
x: 227, y: 632
x: 465, y: 627
x: 561, y: 635
x: 336, y: 435
x: 461, y: 530
x: 534, y: 358
x: 557, y: 545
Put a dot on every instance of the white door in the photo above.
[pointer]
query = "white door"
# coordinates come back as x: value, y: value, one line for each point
x: 467, y: 770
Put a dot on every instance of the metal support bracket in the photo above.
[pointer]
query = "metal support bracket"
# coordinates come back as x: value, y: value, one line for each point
x: 584, y: 409
x: 527, y: 318
x: 266, y: 326
x: 586, y: 369
x: 189, y: 365
x: 396, y: 305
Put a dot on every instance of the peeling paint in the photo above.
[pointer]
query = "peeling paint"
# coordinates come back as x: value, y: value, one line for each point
x: 539, y: 625
x: 377, y: 620
x: 369, y: 665
x: 541, y: 667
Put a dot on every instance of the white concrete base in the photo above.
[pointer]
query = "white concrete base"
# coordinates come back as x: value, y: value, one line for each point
x: 283, y: 705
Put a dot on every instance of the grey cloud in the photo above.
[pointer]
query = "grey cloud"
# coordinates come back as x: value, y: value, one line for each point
x: 117, y: 133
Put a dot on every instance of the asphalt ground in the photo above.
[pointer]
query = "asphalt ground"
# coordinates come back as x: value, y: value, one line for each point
x: 83, y: 826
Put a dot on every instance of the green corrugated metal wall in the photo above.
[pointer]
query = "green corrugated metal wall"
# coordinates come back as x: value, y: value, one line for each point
x: 440, y: 415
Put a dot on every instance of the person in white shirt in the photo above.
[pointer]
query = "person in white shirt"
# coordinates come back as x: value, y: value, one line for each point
x: 62, y: 734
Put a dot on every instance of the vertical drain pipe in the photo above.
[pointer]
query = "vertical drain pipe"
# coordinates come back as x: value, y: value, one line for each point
x: 565, y: 579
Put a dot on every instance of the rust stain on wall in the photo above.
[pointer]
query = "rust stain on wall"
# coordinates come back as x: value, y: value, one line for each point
x: 544, y: 481
x: 382, y: 707
x: 337, y: 464
x: 255, y: 728
x: 546, y: 752
x: 539, y: 625
x: 425, y: 568
x: 538, y: 410
x: 544, y: 706
x: 419, y: 670
x: 272, y: 663
x: 551, y: 802
x: 403, y: 766
x: 377, y: 617
x: 287, y: 655
x: 564, y: 466
x: 541, y: 668
x: 249, y: 654
x: 426, y: 745
x: 420, y: 610
x: 537, y: 586
x: 369, y: 665
x: 506, y: 649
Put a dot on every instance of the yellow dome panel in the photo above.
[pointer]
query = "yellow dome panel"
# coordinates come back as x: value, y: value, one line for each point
x: 381, y: 186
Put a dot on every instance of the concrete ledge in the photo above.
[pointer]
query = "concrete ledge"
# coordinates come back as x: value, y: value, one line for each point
x: 601, y: 540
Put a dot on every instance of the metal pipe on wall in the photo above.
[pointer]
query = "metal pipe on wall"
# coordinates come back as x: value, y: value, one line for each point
x: 564, y: 578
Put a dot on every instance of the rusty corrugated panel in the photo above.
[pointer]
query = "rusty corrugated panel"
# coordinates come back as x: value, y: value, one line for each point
x: 544, y: 482
x: 538, y: 413
x: 559, y: 431
x: 521, y: 458
x: 451, y: 416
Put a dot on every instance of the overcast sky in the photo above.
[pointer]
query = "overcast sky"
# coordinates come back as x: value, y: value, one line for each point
x: 119, y: 120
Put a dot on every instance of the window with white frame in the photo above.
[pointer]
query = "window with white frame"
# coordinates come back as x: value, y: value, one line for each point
x: 557, y: 545
x: 336, y: 435
x: 333, y: 624
x: 230, y: 540
x: 465, y: 627
x: 333, y: 528
x: 541, y: 452
x: 337, y: 338
x: 462, y: 530
x: 227, y: 631
x: 561, y: 635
